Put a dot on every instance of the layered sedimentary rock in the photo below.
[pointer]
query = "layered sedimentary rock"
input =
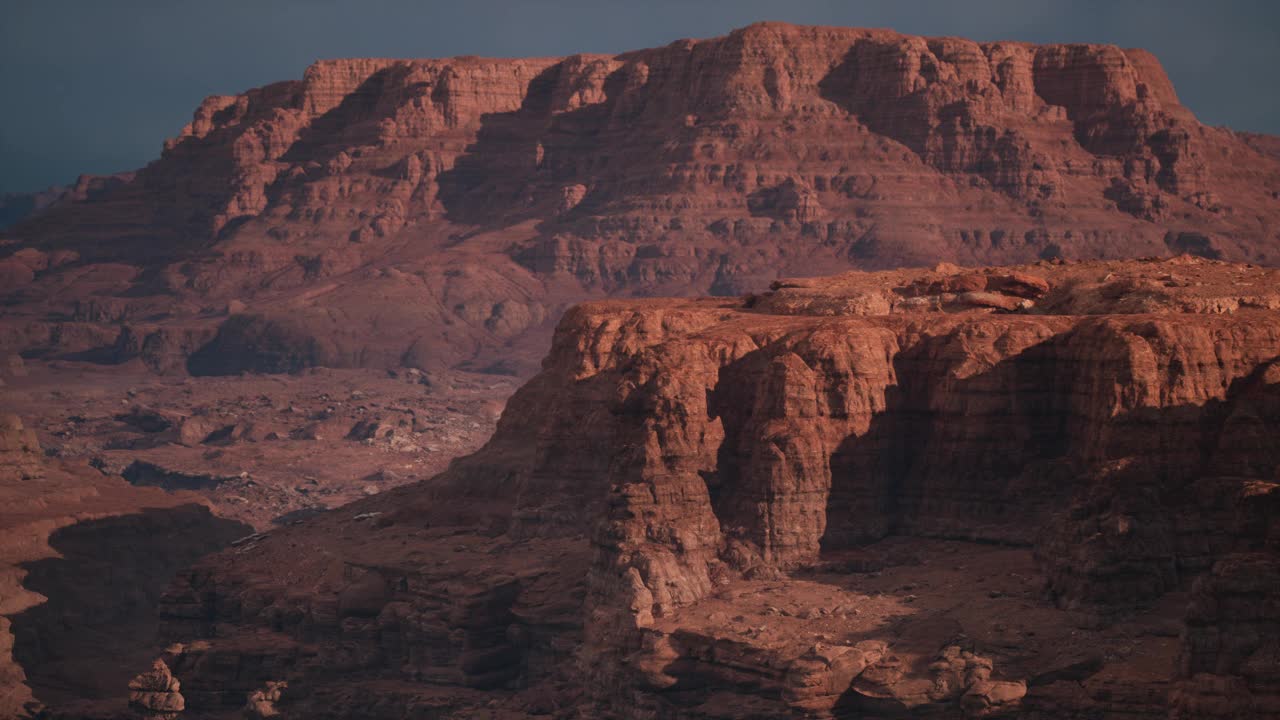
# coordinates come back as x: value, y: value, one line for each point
x: 1047, y: 489
x: 420, y: 212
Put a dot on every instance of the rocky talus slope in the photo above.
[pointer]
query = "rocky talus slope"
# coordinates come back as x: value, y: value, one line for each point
x: 445, y: 212
x: 1040, y: 491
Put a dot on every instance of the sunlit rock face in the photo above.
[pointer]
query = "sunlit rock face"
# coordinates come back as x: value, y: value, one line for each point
x: 950, y: 493
x: 442, y: 212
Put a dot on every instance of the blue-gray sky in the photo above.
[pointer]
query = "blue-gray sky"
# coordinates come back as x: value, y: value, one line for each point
x: 96, y: 85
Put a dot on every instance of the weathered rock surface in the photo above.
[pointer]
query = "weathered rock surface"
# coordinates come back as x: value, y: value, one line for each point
x: 155, y: 695
x: 859, y: 496
x: 1230, y: 658
x: 443, y: 212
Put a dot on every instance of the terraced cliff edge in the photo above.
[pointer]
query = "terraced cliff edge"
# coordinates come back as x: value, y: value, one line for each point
x: 435, y: 213
x: 1045, y: 489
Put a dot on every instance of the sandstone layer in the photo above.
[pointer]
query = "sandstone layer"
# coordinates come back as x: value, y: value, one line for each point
x: 437, y: 213
x: 1047, y: 490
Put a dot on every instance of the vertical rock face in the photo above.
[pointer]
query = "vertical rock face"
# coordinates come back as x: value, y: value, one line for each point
x: 945, y: 493
x: 1229, y: 645
x: 444, y: 211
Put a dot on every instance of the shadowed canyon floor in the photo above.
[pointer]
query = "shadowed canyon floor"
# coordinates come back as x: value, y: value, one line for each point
x: 1042, y: 491
x: 115, y: 479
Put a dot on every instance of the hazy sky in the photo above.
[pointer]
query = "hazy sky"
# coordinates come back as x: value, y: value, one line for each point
x: 96, y: 85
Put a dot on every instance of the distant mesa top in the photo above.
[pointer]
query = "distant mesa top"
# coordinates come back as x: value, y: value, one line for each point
x: 438, y: 213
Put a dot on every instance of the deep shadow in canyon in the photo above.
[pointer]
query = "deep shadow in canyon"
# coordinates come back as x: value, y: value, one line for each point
x: 98, y: 627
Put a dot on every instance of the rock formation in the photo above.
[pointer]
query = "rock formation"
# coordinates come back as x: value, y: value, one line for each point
x: 443, y: 212
x: 1046, y: 490
x: 155, y: 695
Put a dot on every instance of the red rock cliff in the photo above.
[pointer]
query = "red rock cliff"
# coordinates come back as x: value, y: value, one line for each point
x: 380, y: 212
x: 965, y: 493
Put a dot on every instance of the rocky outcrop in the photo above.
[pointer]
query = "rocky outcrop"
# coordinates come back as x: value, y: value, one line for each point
x: 1228, y: 656
x: 860, y: 496
x: 155, y: 695
x: 444, y: 212
x: 262, y: 703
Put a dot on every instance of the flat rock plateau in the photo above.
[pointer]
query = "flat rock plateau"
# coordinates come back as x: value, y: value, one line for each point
x: 887, y: 377
x: 445, y: 213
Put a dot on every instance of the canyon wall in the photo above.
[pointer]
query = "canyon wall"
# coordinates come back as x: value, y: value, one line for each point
x: 445, y: 212
x: 952, y: 493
